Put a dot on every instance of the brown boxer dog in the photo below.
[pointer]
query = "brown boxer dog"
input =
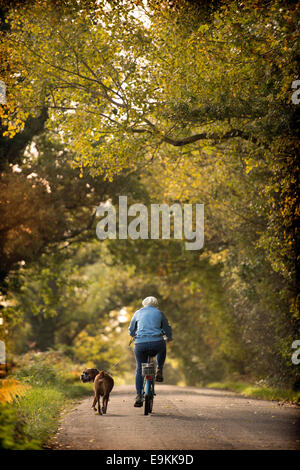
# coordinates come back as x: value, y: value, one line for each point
x: 103, y: 385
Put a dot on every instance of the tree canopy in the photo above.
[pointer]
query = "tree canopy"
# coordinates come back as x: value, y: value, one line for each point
x: 163, y: 101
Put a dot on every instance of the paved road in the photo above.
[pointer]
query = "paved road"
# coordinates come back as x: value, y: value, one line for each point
x: 183, y: 418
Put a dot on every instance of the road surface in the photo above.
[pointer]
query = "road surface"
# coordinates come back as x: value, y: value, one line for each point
x: 184, y: 418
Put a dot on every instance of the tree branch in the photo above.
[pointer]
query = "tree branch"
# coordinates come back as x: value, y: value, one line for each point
x: 203, y: 136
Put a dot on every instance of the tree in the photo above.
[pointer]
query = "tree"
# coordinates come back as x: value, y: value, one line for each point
x: 200, y: 106
x: 67, y: 293
x: 123, y: 89
x: 46, y: 204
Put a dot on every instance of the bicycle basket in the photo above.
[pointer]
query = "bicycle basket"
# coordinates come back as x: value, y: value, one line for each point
x: 148, y: 368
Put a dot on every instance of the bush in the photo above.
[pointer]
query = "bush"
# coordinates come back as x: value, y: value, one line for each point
x: 37, y: 374
x: 46, y: 368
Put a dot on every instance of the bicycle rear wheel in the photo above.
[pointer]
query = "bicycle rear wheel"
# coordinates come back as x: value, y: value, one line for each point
x: 148, y: 403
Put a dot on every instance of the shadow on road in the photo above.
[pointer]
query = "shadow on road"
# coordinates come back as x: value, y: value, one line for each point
x: 203, y: 393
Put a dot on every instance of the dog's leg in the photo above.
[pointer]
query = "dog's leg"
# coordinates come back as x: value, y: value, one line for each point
x: 99, y: 405
x: 94, y: 403
x: 105, y: 403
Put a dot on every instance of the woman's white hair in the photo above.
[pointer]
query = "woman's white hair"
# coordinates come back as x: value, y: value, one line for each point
x: 150, y: 301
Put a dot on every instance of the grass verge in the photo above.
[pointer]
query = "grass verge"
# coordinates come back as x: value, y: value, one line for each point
x: 256, y: 391
x: 30, y: 419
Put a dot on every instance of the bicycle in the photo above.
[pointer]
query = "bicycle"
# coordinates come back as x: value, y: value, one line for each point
x: 148, y: 372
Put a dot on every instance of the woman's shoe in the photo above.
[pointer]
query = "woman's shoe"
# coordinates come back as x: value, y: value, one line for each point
x: 159, y: 376
x: 138, y: 401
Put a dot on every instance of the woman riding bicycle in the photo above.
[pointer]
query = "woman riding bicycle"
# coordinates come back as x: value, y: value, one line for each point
x: 148, y: 326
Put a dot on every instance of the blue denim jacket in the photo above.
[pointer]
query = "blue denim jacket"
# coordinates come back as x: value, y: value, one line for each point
x: 149, y: 324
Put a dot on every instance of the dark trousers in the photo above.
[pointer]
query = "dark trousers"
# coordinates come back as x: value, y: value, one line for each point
x: 142, y: 351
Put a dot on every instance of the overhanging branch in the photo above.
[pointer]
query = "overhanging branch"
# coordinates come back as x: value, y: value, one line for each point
x: 202, y: 136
